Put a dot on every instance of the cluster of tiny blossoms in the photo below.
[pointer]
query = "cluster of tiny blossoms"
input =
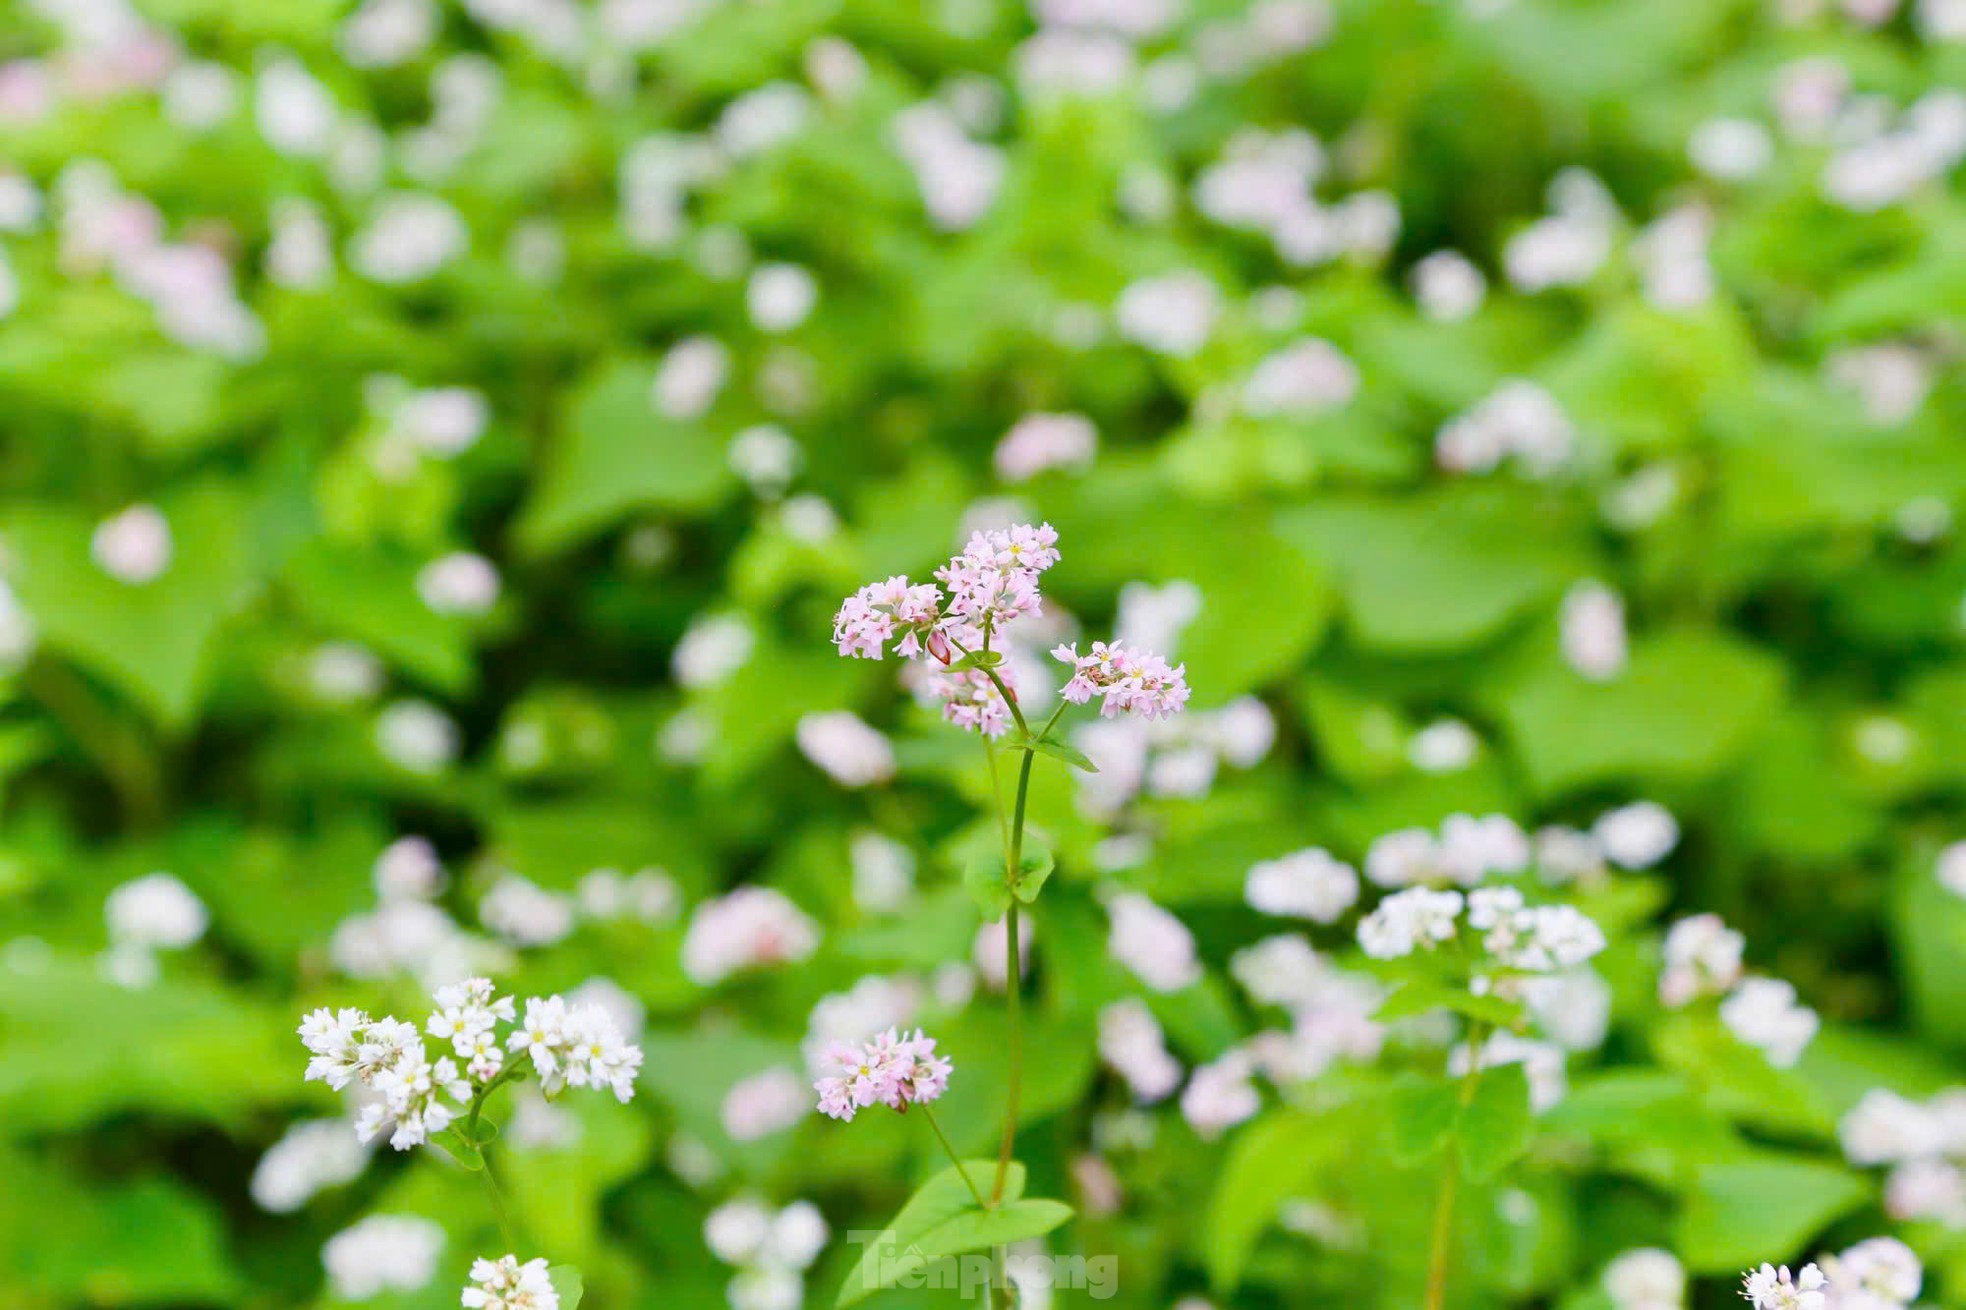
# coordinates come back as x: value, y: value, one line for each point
x: 576, y: 1045
x: 992, y: 583
x: 1703, y: 958
x: 890, y: 1070
x: 1879, y: 1273
x: 507, y: 1284
x: 1924, y: 1143
x: 1516, y: 938
x: 1125, y: 680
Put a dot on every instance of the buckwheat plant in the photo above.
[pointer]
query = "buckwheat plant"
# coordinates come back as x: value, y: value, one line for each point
x: 1878, y: 1273
x: 1483, y: 954
x: 958, y: 628
x: 482, y: 1044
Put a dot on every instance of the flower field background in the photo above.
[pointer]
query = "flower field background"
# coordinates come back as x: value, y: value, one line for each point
x: 436, y: 440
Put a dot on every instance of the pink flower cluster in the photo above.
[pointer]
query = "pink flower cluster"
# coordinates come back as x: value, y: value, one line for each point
x: 882, y: 611
x: 993, y: 581
x: 1127, y: 680
x: 890, y: 1070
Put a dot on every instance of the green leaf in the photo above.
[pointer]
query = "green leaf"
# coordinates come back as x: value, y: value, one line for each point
x: 1929, y: 926
x: 1423, y: 1113
x: 566, y: 1281
x: 936, y: 1202
x: 1438, y: 572
x: 452, y: 1146
x: 1689, y: 703
x: 1033, y: 871
x: 1057, y: 750
x: 983, y: 876
x: 1266, y: 1165
x: 971, y: 1230
x: 1742, y: 1212
x: 154, y: 641
x: 1421, y: 997
x: 1495, y: 1125
x: 614, y: 454
x: 977, y: 659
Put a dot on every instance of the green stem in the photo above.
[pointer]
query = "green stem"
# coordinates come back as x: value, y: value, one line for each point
x: 955, y: 1159
x: 496, y: 1199
x: 1013, y: 983
x: 1450, y: 1180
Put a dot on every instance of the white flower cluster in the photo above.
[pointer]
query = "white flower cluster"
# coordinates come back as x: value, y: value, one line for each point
x: 746, y: 928
x: 1703, y: 958
x: 1466, y: 851
x: 1178, y: 757
x: 506, y: 1284
x: 156, y: 912
x: 770, y: 1249
x: 1878, y: 1273
x: 1308, y: 884
x: 1516, y: 938
x: 1645, y: 1278
x: 1566, y: 247
x: 1925, y: 1145
x: 1631, y: 837
x: 1263, y: 182
x: 1518, y: 421
x: 578, y: 1045
x: 1154, y: 944
x: 382, y: 1253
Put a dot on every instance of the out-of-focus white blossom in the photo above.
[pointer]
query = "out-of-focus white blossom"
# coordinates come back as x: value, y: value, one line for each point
x: 748, y: 928
x: 1308, y: 884
x: 134, y: 546
x: 1151, y: 942
x: 1764, y: 1012
x: 846, y: 747
x: 416, y: 736
x: 383, y: 1253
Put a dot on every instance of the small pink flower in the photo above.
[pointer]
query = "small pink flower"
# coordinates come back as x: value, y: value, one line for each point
x: 1128, y: 681
x: 890, y: 1070
x: 881, y: 611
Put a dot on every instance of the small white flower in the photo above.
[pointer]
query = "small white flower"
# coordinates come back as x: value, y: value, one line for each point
x: 748, y: 928
x: 505, y: 1284
x: 1172, y: 315
x: 1220, y: 1095
x: 1443, y: 746
x: 1770, y: 1288
x: 1702, y: 958
x: 1417, y: 918
x: 781, y: 296
x: 1764, y: 1012
x: 135, y: 546
x: 1130, y: 1040
x: 1637, y: 836
x: 1309, y: 884
x: 765, y: 1103
x: 462, y: 583
x: 383, y: 1253
x: 690, y: 378
x: 852, y: 752
x: 1448, y: 287
x: 1593, y: 631
x: 1951, y: 868
x: 1155, y: 945
x: 1646, y: 1278
x: 155, y: 911
x: 416, y: 736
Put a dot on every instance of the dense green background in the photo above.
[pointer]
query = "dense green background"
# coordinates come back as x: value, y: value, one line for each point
x: 1777, y: 615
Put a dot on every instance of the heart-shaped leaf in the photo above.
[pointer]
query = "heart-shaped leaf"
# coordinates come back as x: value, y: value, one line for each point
x: 566, y: 1281
x: 936, y: 1202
